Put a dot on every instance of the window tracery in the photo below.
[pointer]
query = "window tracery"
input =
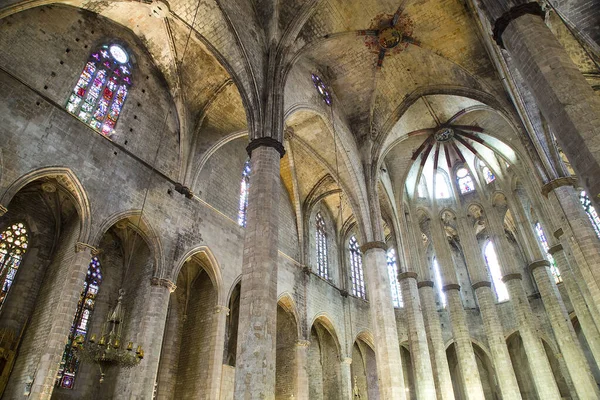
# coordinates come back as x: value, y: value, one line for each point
x: 438, y: 282
x: 546, y: 247
x: 356, y: 270
x: 488, y: 175
x: 491, y: 259
x: 322, y: 89
x: 590, y: 211
x: 244, y: 191
x: 13, y: 245
x: 464, y: 181
x: 102, y: 88
x: 393, y: 273
x: 321, y: 241
x: 69, y: 363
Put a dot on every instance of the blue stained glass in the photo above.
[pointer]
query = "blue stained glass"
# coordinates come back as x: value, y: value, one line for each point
x: 393, y: 274
x: 356, y: 270
x: 244, y: 191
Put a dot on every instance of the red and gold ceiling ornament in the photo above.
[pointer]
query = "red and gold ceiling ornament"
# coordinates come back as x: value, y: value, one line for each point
x: 389, y: 34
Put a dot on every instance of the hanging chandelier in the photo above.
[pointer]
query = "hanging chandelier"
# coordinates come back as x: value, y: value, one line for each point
x: 108, y: 351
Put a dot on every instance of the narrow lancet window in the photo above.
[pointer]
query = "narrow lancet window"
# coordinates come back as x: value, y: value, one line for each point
x: 13, y: 245
x: 69, y: 363
x: 546, y: 247
x: 590, y: 211
x: 494, y: 267
x: 244, y: 188
x: 442, y: 191
x: 356, y: 270
x: 438, y: 282
x: 393, y: 273
x: 321, y: 242
x: 488, y: 175
x: 464, y: 181
x: 102, y: 88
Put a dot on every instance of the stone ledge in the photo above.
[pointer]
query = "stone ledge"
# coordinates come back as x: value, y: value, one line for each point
x: 164, y: 283
x: 373, y: 245
x: 515, y: 12
x: 510, y: 277
x: 555, y: 249
x: 558, y: 182
x: 481, y: 284
x: 538, y: 264
x: 407, y: 275
x: 267, y: 142
x: 451, y: 286
x: 424, y: 284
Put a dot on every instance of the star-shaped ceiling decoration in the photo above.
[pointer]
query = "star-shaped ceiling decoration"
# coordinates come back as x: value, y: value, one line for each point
x: 388, y: 34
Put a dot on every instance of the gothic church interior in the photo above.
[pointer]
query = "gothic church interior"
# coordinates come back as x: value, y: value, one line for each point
x: 300, y: 199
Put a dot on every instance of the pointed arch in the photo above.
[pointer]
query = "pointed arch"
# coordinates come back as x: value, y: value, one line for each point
x: 325, y: 321
x: 209, y: 263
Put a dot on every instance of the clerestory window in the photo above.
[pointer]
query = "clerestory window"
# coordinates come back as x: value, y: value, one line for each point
x: 356, y: 270
x: 321, y: 242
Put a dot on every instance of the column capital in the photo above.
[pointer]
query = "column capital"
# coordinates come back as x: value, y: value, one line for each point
x: 80, y: 246
x: 510, y: 277
x: 515, y: 12
x: 407, y: 275
x: 266, y: 142
x: 347, y: 360
x: 558, y: 182
x: 3, y: 210
x: 481, y: 284
x: 156, y: 281
x: 424, y: 284
x: 302, y: 343
x: 219, y: 308
x: 450, y: 286
x: 555, y: 249
x: 373, y: 245
x: 538, y: 264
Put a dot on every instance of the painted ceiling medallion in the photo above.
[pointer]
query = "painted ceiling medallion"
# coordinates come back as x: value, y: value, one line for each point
x: 444, y: 134
x: 389, y: 38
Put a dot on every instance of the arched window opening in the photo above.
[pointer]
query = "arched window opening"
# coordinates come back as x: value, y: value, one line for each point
x: 322, y: 89
x: 546, y: 247
x: 488, y: 175
x: 244, y: 190
x: 438, y: 282
x: 102, y: 88
x: 442, y: 191
x: 13, y: 245
x: 422, y: 188
x: 464, y: 181
x: 356, y: 270
x: 491, y: 260
x: 393, y: 272
x: 69, y: 364
x: 590, y: 211
x: 321, y: 240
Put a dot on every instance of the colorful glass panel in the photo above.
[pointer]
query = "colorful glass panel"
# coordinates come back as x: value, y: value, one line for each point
x: 100, y: 92
x: 438, y: 282
x: 244, y: 191
x: 321, y: 242
x: 546, y: 247
x: 13, y: 245
x: 356, y: 270
x: 488, y: 175
x: 590, y: 211
x: 322, y: 89
x: 491, y: 260
x: 393, y: 273
x: 69, y: 363
x: 464, y: 181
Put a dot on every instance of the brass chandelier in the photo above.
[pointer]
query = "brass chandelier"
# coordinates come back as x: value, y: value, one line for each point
x: 108, y: 352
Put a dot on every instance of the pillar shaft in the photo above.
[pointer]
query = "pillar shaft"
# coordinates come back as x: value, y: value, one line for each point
x: 417, y: 338
x: 346, y: 372
x: 255, y: 364
x: 169, y: 359
x: 439, y: 361
x: 302, y: 388
x: 383, y: 322
x: 218, y: 348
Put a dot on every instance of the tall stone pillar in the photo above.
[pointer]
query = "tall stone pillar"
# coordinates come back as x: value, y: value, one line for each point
x: 439, y: 361
x: 383, y: 322
x: 218, y: 348
x: 255, y: 364
x: 141, y: 379
x: 169, y: 358
x: 417, y: 338
x: 563, y: 95
x: 346, y: 372
x: 302, y: 383
x: 563, y: 332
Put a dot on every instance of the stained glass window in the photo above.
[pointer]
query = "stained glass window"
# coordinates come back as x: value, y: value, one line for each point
x: 590, y: 211
x: 13, y: 245
x: 491, y: 260
x: 393, y: 273
x: 464, y: 181
x: 102, y: 88
x: 442, y: 191
x: 321, y: 240
x: 356, y: 270
x: 546, y: 247
x: 69, y: 364
x: 488, y: 175
x: 322, y: 89
x: 244, y: 188
x: 437, y: 275
x: 422, y: 188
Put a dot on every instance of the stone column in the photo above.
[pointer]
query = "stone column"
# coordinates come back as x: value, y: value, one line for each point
x: 346, y: 372
x: 383, y: 322
x: 417, y: 338
x: 439, y: 360
x: 169, y: 358
x: 505, y: 374
x: 255, y: 366
x: 563, y: 95
x: 218, y: 345
x: 141, y: 378
x: 302, y: 387
x: 563, y: 331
